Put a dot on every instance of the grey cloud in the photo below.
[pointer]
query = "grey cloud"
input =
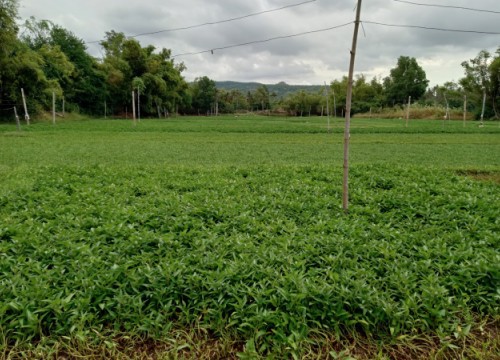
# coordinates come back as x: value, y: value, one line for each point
x: 303, y: 59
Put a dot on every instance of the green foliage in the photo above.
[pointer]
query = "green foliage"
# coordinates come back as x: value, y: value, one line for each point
x: 406, y: 79
x: 203, y: 92
x: 482, y: 75
x: 129, y: 66
x: 263, y: 252
x: 366, y: 94
x: 8, y: 45
x: 236, y: 227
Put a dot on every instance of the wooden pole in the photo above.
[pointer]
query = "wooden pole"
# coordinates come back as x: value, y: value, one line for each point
x: 327, y: 106
x: 347, y: 132
x: 105, y: 110
x: 18, y: 123
x: 447, y: 115
x: 139, y: 104
x: 484, y: 106
x: 334, y: 105
x: 63, y: 107
x: 133, y: 107
x: 53, y: 108
x: 408, y: 111
x: 26, y: 115
x: 465, y: 109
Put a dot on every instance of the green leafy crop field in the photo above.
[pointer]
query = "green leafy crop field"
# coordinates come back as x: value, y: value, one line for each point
x: 233, y: 228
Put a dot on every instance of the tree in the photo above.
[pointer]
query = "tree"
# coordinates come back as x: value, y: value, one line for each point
x: 67, y: 61
x: 88, y: 90
x: 261, y: 97
x: 406, y: 79
x: 8, y: 28
x: 8, y: 44
x: 482, y: 75
x: 203, y: 92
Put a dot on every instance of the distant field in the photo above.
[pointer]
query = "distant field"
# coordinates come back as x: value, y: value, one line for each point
x: 204, y: 237
x: 252, y: 140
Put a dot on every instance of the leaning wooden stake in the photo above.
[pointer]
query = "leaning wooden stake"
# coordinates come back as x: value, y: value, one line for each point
x: 484, y: 106
x: 347, y: 132
x: 26, y: 115
x: 18, y: 123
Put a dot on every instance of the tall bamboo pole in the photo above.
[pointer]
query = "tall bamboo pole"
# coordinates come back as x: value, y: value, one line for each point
x: 53, y: 108
x: 327, y: 106
x: 18, y: 123
x: 26, y: 115
x: 408, y: 111
x: 133, y: 107
x: 347, y: 132
x: 465, y: 109
x: 139, y: 104
x: 484, y: 106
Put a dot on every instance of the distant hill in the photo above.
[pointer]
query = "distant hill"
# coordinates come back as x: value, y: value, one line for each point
x: 281, y: 89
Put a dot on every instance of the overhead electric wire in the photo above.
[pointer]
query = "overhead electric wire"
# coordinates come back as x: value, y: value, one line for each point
x: 448, y: 6
x: 431, y: 28
x: 261, y: 41
x: 216, y: 22
x: 331, y: 28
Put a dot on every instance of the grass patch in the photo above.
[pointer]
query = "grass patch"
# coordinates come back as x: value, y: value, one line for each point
x: 482, y: 175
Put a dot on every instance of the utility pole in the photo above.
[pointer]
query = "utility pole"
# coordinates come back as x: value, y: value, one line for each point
x: 347, y: 132
x: 26, y: 115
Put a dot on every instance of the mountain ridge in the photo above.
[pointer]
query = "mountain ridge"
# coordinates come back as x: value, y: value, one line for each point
x: 281, y: 89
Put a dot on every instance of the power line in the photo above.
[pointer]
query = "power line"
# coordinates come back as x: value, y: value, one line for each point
x: 216, y: 22
x: 432, y: 28
x: 261, y: 41
x: 448, y: 6
x: 331, y: 28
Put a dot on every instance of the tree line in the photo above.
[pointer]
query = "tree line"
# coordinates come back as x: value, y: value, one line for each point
x: 46, y: 60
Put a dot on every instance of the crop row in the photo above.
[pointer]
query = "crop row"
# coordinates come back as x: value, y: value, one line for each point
x: 263, y: 253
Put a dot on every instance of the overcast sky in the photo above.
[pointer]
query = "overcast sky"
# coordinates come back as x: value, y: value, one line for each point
x: 309, y: 59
